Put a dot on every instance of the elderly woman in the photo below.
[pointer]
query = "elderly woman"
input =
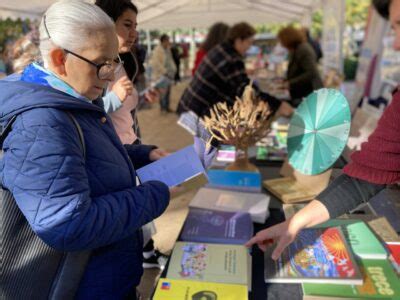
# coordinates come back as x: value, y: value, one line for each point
x: 70, y: 175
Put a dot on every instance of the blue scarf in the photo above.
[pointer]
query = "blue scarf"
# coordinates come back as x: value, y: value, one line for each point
x: 35, y: 73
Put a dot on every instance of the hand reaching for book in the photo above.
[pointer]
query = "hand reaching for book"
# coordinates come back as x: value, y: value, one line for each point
x: 281, y: 234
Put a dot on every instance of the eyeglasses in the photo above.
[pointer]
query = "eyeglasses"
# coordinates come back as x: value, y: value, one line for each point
x: 104, y: 70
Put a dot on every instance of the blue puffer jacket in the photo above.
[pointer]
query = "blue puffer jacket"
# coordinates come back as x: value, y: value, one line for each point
x: 70, y: 202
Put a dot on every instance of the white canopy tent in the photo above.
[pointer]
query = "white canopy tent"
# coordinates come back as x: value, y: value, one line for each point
x: 171, y: 14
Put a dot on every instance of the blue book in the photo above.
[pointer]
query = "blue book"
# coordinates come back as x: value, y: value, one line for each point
x: 220, y: 227
x: 235, y: 180
x: 174, y: 169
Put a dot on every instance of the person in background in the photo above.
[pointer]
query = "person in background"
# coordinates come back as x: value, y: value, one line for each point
x: 23, y: 53
x: 78, y: 196
x: 371, y: 169
x: 122, y: 97
x: 176, y: 55
x: 217, y: 34
x: 314, y: 43
x: 302, y: 76
x: 221, y: 77
x: 163, y: 67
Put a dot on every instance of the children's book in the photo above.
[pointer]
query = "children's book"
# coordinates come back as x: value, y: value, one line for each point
x: 210, y: 263
x: 254, y: 204
x: 212, y: 226
x: 171, y: 289
x: 362, y: 240
x: 317, y: 255
x: 380, y: 282
x: 234, y: 180
x: 175, y: 169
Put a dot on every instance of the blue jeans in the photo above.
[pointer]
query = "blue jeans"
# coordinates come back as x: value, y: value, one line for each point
x: 164, y: 102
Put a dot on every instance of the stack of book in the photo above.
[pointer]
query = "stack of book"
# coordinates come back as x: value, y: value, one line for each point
x: 340, y: 259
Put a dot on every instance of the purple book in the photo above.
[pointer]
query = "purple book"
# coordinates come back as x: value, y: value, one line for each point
x: 210, y: 226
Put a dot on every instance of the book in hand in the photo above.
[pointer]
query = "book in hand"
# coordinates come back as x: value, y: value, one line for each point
x: 234, y: 180
x: 210, y: 263
x: 254, y: 204
x: 212, y: 226
x: 360, y: 237
x: 316, y: 255
x: 380, y: 282
x: 183, y: 166
x: 172, y: 289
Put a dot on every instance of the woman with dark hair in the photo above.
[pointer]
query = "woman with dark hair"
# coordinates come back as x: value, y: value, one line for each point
x: 302, y: 75
x: 122, y: 98
x: 217, y: 34
x: 371, y: 170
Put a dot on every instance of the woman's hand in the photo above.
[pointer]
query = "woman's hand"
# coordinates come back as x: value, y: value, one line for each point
x: 152, y: 96
x: 283, y: 234
x: 123, y: 88
x: 157, y: 153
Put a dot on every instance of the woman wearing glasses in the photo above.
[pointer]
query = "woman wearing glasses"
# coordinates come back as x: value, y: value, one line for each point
x: 78, y: 196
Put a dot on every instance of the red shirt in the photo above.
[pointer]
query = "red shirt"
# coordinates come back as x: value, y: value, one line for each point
x: 199, y: 57
x: 378, y: 161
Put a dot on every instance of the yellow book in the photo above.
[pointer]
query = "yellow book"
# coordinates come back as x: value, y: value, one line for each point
x: 170, y: 289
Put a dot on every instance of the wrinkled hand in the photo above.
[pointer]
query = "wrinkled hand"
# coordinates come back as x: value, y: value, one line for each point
x: 123, y: 88
x: 285, y: 110
x: 283, y: 234
x: 152, y: 96
x: 157, y: 153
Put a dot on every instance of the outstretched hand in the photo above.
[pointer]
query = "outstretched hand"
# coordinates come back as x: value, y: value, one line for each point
x: 282, y: 234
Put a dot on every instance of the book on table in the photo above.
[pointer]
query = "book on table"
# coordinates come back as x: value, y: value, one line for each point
x: 363, y: 242
x: 380, y: 282
x: 387, y: 204
x: 183, y: 168
x: 172, y: 289
x: 379, y: 225
x: 317, y: 255
x: 394, y: 256
x: 229, y: 264
x: 256, y: 204
x: 212, y: 226
x: 234, y: 180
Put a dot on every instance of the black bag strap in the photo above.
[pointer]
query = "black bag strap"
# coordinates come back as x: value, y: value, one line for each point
x: 8, y: 127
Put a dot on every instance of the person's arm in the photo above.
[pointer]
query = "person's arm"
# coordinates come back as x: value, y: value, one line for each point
x: 341, y: 196
x: 45, y: 171
x: 238, y: 80
x: 111, y: 102
x: 307, y: 61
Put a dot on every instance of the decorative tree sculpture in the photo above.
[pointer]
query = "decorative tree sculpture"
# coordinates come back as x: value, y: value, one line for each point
x: 242, y: 126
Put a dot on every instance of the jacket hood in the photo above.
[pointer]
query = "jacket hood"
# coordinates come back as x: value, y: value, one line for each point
x: 17, y: 96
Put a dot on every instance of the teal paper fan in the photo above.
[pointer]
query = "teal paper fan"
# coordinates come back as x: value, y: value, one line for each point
x: 318, y: 131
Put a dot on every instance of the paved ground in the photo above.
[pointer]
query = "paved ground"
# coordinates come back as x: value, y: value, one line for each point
x: 162, y: 130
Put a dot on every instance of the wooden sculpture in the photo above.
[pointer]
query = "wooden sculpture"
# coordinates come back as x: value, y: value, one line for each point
x: 241, y: 125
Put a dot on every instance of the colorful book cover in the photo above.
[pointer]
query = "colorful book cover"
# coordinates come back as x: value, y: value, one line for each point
x: 234, y: 180
x: 362, y: 240
x: 226, y: 154
x: 211, y: 226
x: 171, y: 289
x: 380, y: 282
x: 173, y: 169
x: 256, y: 204
x: 317, y: 255
x: 210, y: 262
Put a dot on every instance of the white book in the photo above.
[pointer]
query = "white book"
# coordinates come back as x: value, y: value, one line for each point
x: 256, y: 204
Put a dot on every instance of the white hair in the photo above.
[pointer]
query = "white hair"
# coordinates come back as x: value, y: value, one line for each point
x: 70, y: 24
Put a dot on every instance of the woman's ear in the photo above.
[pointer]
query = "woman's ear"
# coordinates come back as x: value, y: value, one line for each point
x: 57, y: 61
